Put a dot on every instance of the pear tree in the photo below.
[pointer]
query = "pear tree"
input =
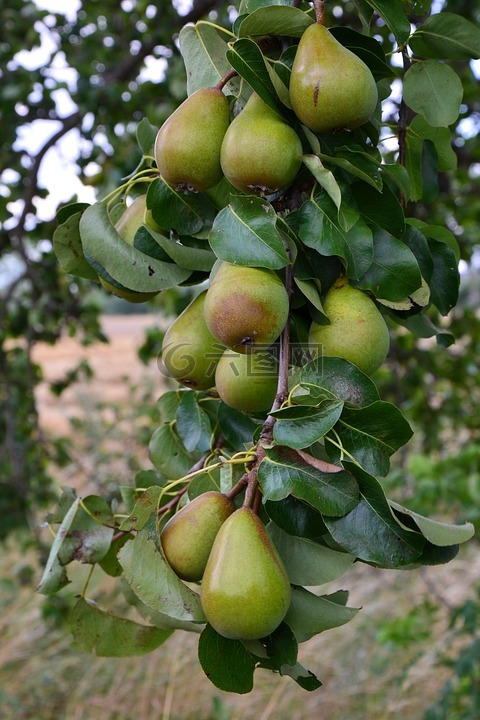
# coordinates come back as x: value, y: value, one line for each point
x: 271, y: 190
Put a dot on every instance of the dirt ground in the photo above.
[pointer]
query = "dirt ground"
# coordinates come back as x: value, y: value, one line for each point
x: 112, y: 363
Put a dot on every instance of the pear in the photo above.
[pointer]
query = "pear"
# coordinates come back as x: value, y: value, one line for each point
x: 246, y: 307
x: 187, y: 146
x: 247, y: 382
x: 127, y: 227
x: 357, y: 330
x: 188, y: 536
x: 330, y: 87
x: 261, y: 153
x: 245, y: 591
x: 190, y: 353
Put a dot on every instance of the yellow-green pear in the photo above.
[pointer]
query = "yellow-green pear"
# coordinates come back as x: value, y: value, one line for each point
x: 261, y: 153
x: 188, y: 536
x: 247, y: 382
x: 246, y: 307
x: 187, y: 146
x: 127, y: 226
x: 330, y: 87
x: 357, y: 330
x: 190, y: 353
x: 245, y: 591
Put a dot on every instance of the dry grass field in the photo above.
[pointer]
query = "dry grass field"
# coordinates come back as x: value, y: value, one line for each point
x: 369, y: 669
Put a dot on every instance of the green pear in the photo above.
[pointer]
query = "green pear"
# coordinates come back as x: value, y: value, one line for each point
x: 188, y: 536
x: 330, y: 87
x: 247, y: 382
x: 246, y: 307
x: 190, y: 353
x: 127, y: 226
x: 187, y: 146
x: 357, y: 330
x: 245, y: 591
x: 261, y: 153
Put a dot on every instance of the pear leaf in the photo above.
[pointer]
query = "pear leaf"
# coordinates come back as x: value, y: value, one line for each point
x: 394, y: 273
x: 245, y: 233
x: 193, y: 424
x: 124, y: 263
x: 307, y: 562
x: 339, y: 378
x: 286, y: 472
x: 371, y: 434
x: 275, y: 20
x: 247, y: 59
x: 299, y: 426
x: 320, y: 229
x: 357, y: 164
x: 110, y: 636
x: 84, y: 534
x: 447, y: 36
x: 369, y: 530
x: 203, y: 52
x: 226, y: 663
x: 191, y: 258
x: 445, y: 280
x: 186, y: 212
x: 310, y: 614
x: 68, y: 247
x: 435, y: 91
x: 155, y: 583
x: 437, y: 533
x: 392, y: 13
x: 143, y: 509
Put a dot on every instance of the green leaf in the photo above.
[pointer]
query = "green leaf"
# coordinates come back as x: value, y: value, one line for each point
x: 307, y: 562
x: 367, y: 48
x: 245, y: 233
x: 303, y: 677
x: 83, y: 536
x: 339, y: 378
x: 435, y: 91
x: 146, y: 134
x: 154, y: 582
x: 296, y: 517
x: 358, y: 164
x: 275, y: 20
x: 392, y: 13
x: 186, y: 212
x: 320, y: 229
x: 381, y: 208
x: 168, y: 453
x: 191, y: 258
x: 226, y: 663
x: 109, y: 562
x: 310, y: 614
x: 247, y: 59
x: 143, y: 509
x: 282, y: 647
x: 193, y: 424
x: 370, y: 532
x: 299, y: 426
x: 124, y: 263
x: 286, y: 472
x: 394, y: 273
x: 437, y: 533
x: 68, y: 248
x: 371, y: 434
x: 110, y: 636
x: 203, y: 52
x: 237, y: 428
x: 445, y: 280
x: 324, y: 177
x: 448, y: 36
x: 310, y: 290
x: 437, y: 232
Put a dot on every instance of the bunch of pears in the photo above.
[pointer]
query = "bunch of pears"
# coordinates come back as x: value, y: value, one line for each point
x: 245, y: 591
x: 259, y: 152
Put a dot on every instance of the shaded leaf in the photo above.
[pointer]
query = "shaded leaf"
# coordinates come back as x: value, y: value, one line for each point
x: 68, y: 247
x: 310, y: 614
x: 392, y: 13
x: 193, y: 424
x: 445, y: 280
x: 110, y: 636
x: 226, y: 663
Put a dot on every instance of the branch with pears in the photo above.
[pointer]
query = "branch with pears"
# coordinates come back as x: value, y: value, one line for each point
x: 269, y: 189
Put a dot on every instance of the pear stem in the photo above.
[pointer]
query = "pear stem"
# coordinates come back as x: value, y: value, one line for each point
x: 225, y: 79
x: 319, y: 7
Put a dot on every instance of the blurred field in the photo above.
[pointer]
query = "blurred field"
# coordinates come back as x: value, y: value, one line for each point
x: 381, y: 666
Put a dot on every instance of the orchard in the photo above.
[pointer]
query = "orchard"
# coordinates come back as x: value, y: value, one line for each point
x: 273, y: 191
